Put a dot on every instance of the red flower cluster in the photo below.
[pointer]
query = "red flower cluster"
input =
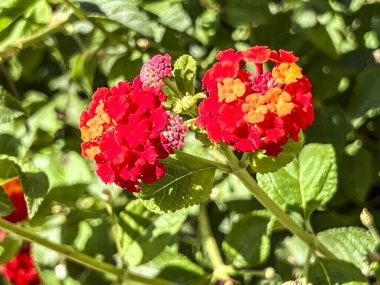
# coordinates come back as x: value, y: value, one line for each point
x: 123, y: 131
x: 20, y: 270
x: 259, y: 110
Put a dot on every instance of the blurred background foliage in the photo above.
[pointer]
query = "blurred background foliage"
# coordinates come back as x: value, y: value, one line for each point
x: 55, y: 53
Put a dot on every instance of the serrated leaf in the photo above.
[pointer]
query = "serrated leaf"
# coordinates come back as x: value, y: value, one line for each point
x: 329, y: 272
x: 34, y: 184
x: 350, y: 244
x: 248, y: 244
x: 126, y: 13
x: 262, y: 163
x: 10, y: 107
x: 308, y: 182
x: 184, y: 73
x: 188, y: 181
x: 145, y: 234
x: 9, y: 248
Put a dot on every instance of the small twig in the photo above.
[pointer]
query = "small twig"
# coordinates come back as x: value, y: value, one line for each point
x: 221, y: 271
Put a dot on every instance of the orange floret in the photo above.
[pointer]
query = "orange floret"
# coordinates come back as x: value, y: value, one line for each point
x: 94, y: 126
x: 279, y: 101
x: 254, y: 108
x: 230, y: 89
x: 286, y: 73
x: 275, y: 100
x: 92, y: 152
x: 12, y: 186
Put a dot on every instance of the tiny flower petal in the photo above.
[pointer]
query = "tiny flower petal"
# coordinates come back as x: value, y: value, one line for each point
x: 175, y: 132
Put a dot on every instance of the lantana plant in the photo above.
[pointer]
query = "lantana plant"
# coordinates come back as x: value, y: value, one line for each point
x: 250, y: 109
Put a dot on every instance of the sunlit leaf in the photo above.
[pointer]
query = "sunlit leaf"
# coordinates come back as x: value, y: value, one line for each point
x: 350, y: 244
x: 262, y: 163
x: 308, y: 182
x: 188, y: 181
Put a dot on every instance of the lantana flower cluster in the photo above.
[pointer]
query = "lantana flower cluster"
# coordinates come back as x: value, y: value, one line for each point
x: 260, y: 109
x: 20, y: 270
x: 126, y: 130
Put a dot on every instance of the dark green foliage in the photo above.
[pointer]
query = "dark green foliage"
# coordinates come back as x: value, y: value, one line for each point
x: 53, y: 57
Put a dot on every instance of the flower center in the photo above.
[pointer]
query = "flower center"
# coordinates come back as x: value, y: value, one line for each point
x: 262, y: 82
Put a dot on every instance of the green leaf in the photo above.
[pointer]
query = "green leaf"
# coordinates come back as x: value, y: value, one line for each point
x: 248, y: 244
x: 188, y: 181
x: 10, y: 107
x: 308, y: 182
x: 126, y: 13
x: 177, y: 268
x: 184, y: 73
x: 176, y: 18
x: 322, y: 40
x: 32, y: 20
x: 145, y: 234
x: 356, y: 175
x: 10, y: 10
x: 6, y: 206
x: 329, y: 126
x: 9, y: 248
x: 9, y: 145
x: 329, y: 272
x: 65, y: 195
x: 350, y: 244
x: 245, y: 12
x: 365, y: 101
x: 34, y: 184
x: 262, y: 163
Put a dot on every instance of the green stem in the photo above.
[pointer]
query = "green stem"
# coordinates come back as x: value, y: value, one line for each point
x: 269, y: 204
x: 173, y: 87
x: 57, y: 22
x: 221, y: 166
x: 79, y: 257
x: 115, y: 233
x: 244, y: 160
x: 307, y: 264
x: 221, y: 271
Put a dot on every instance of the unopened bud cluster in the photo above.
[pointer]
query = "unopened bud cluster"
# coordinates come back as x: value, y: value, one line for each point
x: 175, y: 131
